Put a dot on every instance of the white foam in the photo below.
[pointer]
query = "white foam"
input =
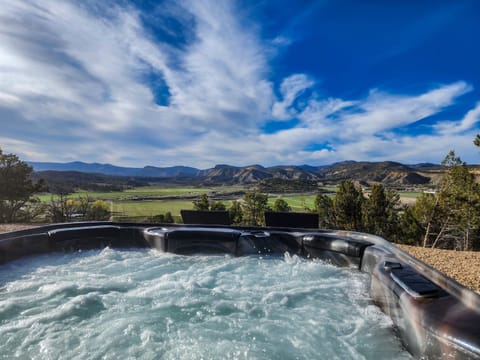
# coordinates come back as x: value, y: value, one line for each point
x: 144, y: 304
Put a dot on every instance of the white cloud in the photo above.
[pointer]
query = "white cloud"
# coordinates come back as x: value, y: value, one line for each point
x: 362, y: 129
x: 61, y: 68
x: 74, y: 86
x: 470, y: 119
x: 409, y: 149
x: 8, y: 99
x: 29, y: 150
x: 290, y: 89
x: 281, y: 41
x: 71, y: 67
x: 381, y: 112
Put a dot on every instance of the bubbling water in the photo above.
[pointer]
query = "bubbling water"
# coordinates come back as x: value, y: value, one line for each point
x: 114, y: 304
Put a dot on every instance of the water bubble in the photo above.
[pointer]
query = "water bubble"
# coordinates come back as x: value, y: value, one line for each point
x: 144, y: 304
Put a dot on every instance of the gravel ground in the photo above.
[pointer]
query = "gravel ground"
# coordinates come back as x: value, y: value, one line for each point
x: 15, y: 227
x: 463, y: 266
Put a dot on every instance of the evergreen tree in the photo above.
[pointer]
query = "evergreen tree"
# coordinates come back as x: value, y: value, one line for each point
x: 254, y: 207
x: 392, y: 228
x: 217, y: 206
x: 16, y: 187
x: 426, y: 214
x: 459, y: 198
x: 375, y: 211
x: 450, y: 218
x: 202, y: 204
x: 324, y: 208
x: 236, y: 213
x: 347, y: 205
x: 476, y: 141
x: 281, y: 205
x: 168, y: 218
x: 380, y: 213
x: 411, y: 230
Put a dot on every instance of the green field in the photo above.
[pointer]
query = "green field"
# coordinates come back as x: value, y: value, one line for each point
x: 298, y: 203
x: 155, y: 207
x: 131, y: 205
x: 411, y: 195
x: 142, y: 192
x: 148, y: 209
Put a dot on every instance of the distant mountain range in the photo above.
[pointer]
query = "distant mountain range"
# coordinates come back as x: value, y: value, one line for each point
x: 386, y: 172
x: 108, y: 169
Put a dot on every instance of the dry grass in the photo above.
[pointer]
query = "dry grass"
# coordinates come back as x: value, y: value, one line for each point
x: 14, y: 227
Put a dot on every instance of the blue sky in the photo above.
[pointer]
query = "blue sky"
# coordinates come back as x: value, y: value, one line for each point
x: 200, y: 82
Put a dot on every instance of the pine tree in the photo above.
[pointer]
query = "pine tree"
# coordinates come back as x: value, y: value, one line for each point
x: 476, y: 141
x: 451, y: 217
x: 281, y: 205
x: 411, y: 230
x: 324, y: 209
x: 374, y: 212
x: 236, y: 213
x: 202, y: 204
x: 380, y: 213
x: 217, y: 206
x: 347, y: 205
x: 254, y: 206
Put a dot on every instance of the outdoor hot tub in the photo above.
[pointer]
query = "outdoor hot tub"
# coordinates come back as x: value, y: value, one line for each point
x: 108, y: 290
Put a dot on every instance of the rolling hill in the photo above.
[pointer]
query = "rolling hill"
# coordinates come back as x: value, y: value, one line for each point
x: 108, y: 169
x: 386, y: 172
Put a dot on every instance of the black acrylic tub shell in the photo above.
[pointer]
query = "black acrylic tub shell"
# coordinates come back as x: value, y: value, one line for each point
x: 436, y: 317
x: 202, y: 240
x: 336, y: 249
x: 194, y: 240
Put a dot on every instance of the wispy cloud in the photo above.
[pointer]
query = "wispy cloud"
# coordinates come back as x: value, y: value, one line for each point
x: 381, y: 112
x: 290, y: 89
x: 467, y: 123
x: 75, y: 84
x: 81, y: 69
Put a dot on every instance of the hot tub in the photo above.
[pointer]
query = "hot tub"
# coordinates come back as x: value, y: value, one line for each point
x: 433, y: 316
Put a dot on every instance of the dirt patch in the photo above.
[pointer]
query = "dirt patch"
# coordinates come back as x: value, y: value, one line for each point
x: 15, y: 227
x: 407, y: 200
x: 463, y: 266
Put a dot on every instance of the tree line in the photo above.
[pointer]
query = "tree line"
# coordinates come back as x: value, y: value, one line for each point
x: 249, y: 211
x: 448, y: 217
x: 18, y: 202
